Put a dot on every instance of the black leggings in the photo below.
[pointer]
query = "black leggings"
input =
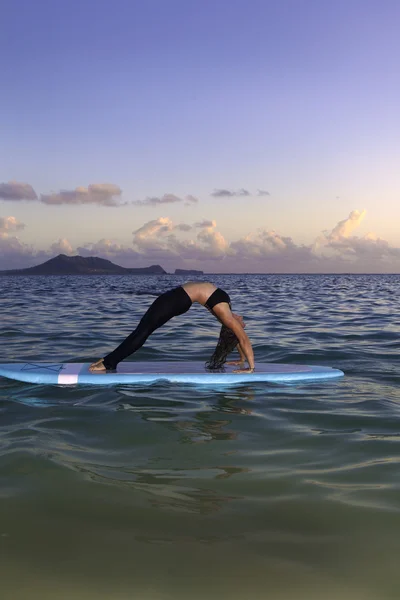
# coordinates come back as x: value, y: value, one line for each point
x: 171, y: 304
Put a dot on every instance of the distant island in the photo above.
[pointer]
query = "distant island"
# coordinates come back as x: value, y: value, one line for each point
x: 188, y: 272
x: 81, y: 265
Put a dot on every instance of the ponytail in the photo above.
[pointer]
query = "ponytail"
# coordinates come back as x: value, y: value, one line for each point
x: 227, y: 342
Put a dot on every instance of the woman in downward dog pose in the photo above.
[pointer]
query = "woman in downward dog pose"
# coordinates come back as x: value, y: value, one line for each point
x: 176, y: 302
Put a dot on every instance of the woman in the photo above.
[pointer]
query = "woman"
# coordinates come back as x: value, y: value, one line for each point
x: 176, y: 302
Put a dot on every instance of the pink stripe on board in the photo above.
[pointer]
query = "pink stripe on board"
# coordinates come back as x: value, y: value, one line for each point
x: 69, y: 373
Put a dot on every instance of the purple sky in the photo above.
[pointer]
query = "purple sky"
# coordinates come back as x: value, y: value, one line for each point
x: 243, y: 135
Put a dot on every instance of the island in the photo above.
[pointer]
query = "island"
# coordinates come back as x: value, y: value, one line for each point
x: 83, y: 265
x: 188, y: 272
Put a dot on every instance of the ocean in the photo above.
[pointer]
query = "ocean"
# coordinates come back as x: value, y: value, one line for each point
x: 256, y: 492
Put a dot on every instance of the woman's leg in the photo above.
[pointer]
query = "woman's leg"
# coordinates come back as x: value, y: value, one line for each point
x: 171, y: 304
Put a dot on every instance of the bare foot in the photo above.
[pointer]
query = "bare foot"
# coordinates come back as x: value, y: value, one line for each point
x: 97, y: 366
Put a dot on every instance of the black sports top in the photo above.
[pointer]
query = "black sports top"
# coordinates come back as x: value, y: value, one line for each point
x: 217, y: 297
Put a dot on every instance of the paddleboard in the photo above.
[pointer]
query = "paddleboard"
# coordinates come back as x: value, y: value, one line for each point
x: 149, y: 372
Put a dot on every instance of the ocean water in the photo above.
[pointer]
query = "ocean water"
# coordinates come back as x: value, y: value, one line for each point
x: 259, y: 491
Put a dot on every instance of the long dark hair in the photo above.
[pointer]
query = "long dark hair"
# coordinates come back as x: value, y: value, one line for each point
x: 227, y: 342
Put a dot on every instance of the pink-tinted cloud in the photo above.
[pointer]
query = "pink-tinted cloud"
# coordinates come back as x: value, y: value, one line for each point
x: 63, y: 246
x: 158, y: 238
x: 201, y: 245
x: 344, y: 228
x: 149, y: 235
x: 103, y: 194
x: 8, y: 224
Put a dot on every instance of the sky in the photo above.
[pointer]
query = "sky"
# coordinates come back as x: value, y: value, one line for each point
x: 248, y: 136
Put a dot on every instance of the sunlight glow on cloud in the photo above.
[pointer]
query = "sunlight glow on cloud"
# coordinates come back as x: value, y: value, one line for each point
x: 172, y: 245
x: 157, y: 238
x: 344, y: 228
x: 61, y: 247
x: 147, y: 236
x: 10, y: 224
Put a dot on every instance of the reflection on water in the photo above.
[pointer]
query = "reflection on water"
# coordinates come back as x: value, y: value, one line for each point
x: 287, y: 492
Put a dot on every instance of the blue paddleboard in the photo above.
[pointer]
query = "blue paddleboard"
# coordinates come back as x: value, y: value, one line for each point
x: 149, y: 372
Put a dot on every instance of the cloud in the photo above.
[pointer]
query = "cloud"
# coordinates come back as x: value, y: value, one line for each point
x: 344, y: 228
x: 201, y: 243
x: 155, y: 201
x: 338, y: 250
x: 147, y: 237
x: 17, y: 191
x: 102, y: 246
x: 266, y: 245
x: 102, y: 194
x: 61, y: 247
x: 166, y: 199
x: 225, y: 193
x: 10, y: 224
x: 12, y: 251
x: 221, y: 193
x: 340, y: 236
x: 112, y: 250
x: 157, y: 238
x: 214, y: 244
x: 190, y: 200
x: 14, y: 254
x: 352, y: 253
x: 183, y: 227
x: 205, y: 223
x: 263, y: 193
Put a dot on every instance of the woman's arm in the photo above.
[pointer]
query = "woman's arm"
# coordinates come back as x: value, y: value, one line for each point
x: 246, y: 347
x: 226, y: 317
x: 241, y: 360
x: 242, y: 356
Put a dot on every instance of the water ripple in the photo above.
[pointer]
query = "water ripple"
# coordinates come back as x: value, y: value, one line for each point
x: 283, y: 482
